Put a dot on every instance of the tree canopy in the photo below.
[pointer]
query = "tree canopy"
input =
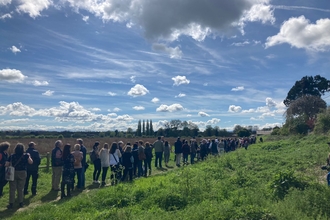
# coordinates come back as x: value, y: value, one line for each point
x: 307, y: 86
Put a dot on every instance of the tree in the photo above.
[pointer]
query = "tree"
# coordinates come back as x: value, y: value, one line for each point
x: 244, y: 133
x: 322, y: 124
x: 307, y: 86
x: 147, y: 128
x: 237, y: 128
x: 151, y: 129
x: 138, y: 130
x: 143, y: 128
x: 208, y: 131
x: 129, y: 131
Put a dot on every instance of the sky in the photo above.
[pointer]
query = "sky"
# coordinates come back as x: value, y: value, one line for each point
x: 98, y: 65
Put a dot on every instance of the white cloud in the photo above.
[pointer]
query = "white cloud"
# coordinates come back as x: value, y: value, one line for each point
x: 5, y: 2
x: 17, y: 109
x: 189, y: 115
x: 138, y: 108
x: 213, y: 121
x: 260, y: 12
x: 40, y: 83
x: 271, y: 56
x: 239, y: 88
x: 241, y: 44
x: 180, y: 95
x: 234, y: 108
x: 203, y: 114
x: 270, y: 102
x: 138, y: 90
x: 133, y: 80
x: 3, y: 17
x: 112, y: 115
x: 178, y: 80
x: 169, y: 108
x: 174, y: 52
x: 116, y: 109
x: 112, y: 94
x: 155, y: 100
x: 48, y: 93
x: 15, y: 50
x: 300, y: 33
x: 12, y: 75
x: 85, y: 18
x: 33, y: 7
x: 95, y: 109
x: 251, y: 110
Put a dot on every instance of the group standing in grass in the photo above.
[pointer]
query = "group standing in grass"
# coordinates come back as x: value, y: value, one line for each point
x: 125, y: 162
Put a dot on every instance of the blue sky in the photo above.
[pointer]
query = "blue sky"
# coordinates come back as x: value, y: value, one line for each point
x: 103, y: 65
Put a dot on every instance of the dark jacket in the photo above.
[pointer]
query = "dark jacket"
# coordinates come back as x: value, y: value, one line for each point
x: 56, y: 162
x: 148, y: 152
x: 127, y: 162
x: 34, y: 154
x: 186, y: 149
x: 178, y: 147
x: 84, y: 151
x: 135, y: 153
x: 3, y: 159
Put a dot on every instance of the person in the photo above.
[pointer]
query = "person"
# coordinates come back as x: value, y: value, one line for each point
x: 178, y: 151
x: 147, y: 161
x: 57, y: 165
x: 105, y: 161
x: 159, y: 149
x: 167, y: 152
x: 68, y: 171
x: 221, y: 147
x: 203, y: 149
x: 78, y: 156
x: 128, y: 161
x: 115, y: 156
x: 83, y: 162
x: 214, y: 147
x: 185, y: 152
x: 142, y: 157
x: 135, y: 153
x: 32, y: 169
x: 193, y: 150
x: 19, y: 161
x: 4, y: 146
x: 95, y: 159
x: 261, y: 140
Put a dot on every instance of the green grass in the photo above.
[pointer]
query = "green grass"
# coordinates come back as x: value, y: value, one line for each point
x: 279, y: 179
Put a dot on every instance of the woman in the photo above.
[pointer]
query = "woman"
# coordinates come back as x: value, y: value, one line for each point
x: 128, y: 162
x: 68, y: 171
x: 19, y: 161
x: 78, y: 156
x: 142, y: 157
x: 4, y: 146
x: 147, y: 161
x: 167, y: 153
x: 95, y: 158
x: 185, y: 152
x: 115, y: 156
x: 105, y: 161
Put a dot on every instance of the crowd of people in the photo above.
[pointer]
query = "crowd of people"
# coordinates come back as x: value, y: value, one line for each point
x: 125, y: 162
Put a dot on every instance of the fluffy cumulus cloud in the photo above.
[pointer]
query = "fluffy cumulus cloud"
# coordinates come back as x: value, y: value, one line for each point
x: 15, y: 49
x: 178, y: 80
x: 213, y: 121
x: 17, y: 109
x: 40, y: 83
x: 138, y: 108
x: 12, y: 75
x: 33, y: 7
x: 5, y: 2
x: 48, y: 93
x: 174, y: 52
x: 5, y: 16
x: 270, y: 102
x: 203, y: 114
x: 170, y: 108
x: 116, y: 109
x: 138, y: 90
x: 234, y: 108
x: 299, y: 32
x: 239, y: 88
x: 262, y: 12
x: 155, y: 100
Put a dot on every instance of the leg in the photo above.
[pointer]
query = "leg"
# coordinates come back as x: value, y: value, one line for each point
x: 58, y: 174
x: 28, y: 175
x: 12, y: 190
x: 145, y: 167
x: 21, y: 177
x: 35, y: 176
x: 79, y: 175
x: 156, y: 159
x: 160, y: 159
x: 130, y: 172
x: 62, y: 190
x: 125, y: 174
x: 98, y: 167
x: 82, y: 176
x: 104, y: 174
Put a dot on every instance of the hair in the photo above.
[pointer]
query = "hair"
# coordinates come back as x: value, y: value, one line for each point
x: 147, y: 144
x: 19, y: 149
x: 66, y: 151
x: 80, y: 141
x: 159, y: 137
x: 141, y: 142
x: 58, y: 143
x: 106, y: 146
x: 31, y: 144
x: 128, y: 149
x: 135, y: 145
x: 113, y: 148
x: 4, y: 146
x: 96, y: 144
x: 166, y: 143
x: 76, y: 147
x: 128, y: 143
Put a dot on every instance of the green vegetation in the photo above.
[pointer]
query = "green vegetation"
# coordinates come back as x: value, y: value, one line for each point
x: 278, y: 179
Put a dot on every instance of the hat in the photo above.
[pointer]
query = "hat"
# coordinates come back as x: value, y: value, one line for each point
x: 32, y: 144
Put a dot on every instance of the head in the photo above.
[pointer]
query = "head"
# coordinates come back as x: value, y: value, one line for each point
x: 76, y: 147
x: 32, y: 145
x: 58, y: 143
x: 4, y: 146
x: 140, y: 143
x: 19, y: 149
x: 96, y: 145
x: 135, y: 145
x: 106, y: 146
x: 80, y: 141
x: 147, y: 144
x: 114, y: 147
x: 178, y: 139
x: 66, y: 151
x: 166, y: 143
x: 159, y: 138
x: 128, y: 148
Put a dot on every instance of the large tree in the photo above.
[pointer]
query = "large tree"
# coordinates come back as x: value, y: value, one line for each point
x: 307, y: 86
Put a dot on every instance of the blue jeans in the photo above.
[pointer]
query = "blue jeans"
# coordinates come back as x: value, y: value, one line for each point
x: 159, y: 156
x: 82, y: 177
x: 79, y: 175
x: 192, y: 158
x: 185, y: 158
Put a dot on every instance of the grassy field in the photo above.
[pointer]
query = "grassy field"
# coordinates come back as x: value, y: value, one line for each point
x: 279, y: 179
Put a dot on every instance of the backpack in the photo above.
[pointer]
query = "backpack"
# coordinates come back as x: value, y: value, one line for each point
x: 92, y: 156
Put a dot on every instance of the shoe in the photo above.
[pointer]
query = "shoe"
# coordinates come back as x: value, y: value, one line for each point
x: 34, y: 194
x: 103, y: 184
x: 10, y: 206
x: 21, y: 204
x: 63, y: 196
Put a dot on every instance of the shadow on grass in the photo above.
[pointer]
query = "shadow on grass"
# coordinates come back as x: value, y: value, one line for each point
x: 50, y: 196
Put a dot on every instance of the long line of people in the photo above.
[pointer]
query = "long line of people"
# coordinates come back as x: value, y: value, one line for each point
x: 125, y: 162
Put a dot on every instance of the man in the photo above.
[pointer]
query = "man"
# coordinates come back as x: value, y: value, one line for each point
x: 178, y: 151
x: 32, y: 169
x: 57, y: 165
x: 83, y: 163
x: 159, y: 149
